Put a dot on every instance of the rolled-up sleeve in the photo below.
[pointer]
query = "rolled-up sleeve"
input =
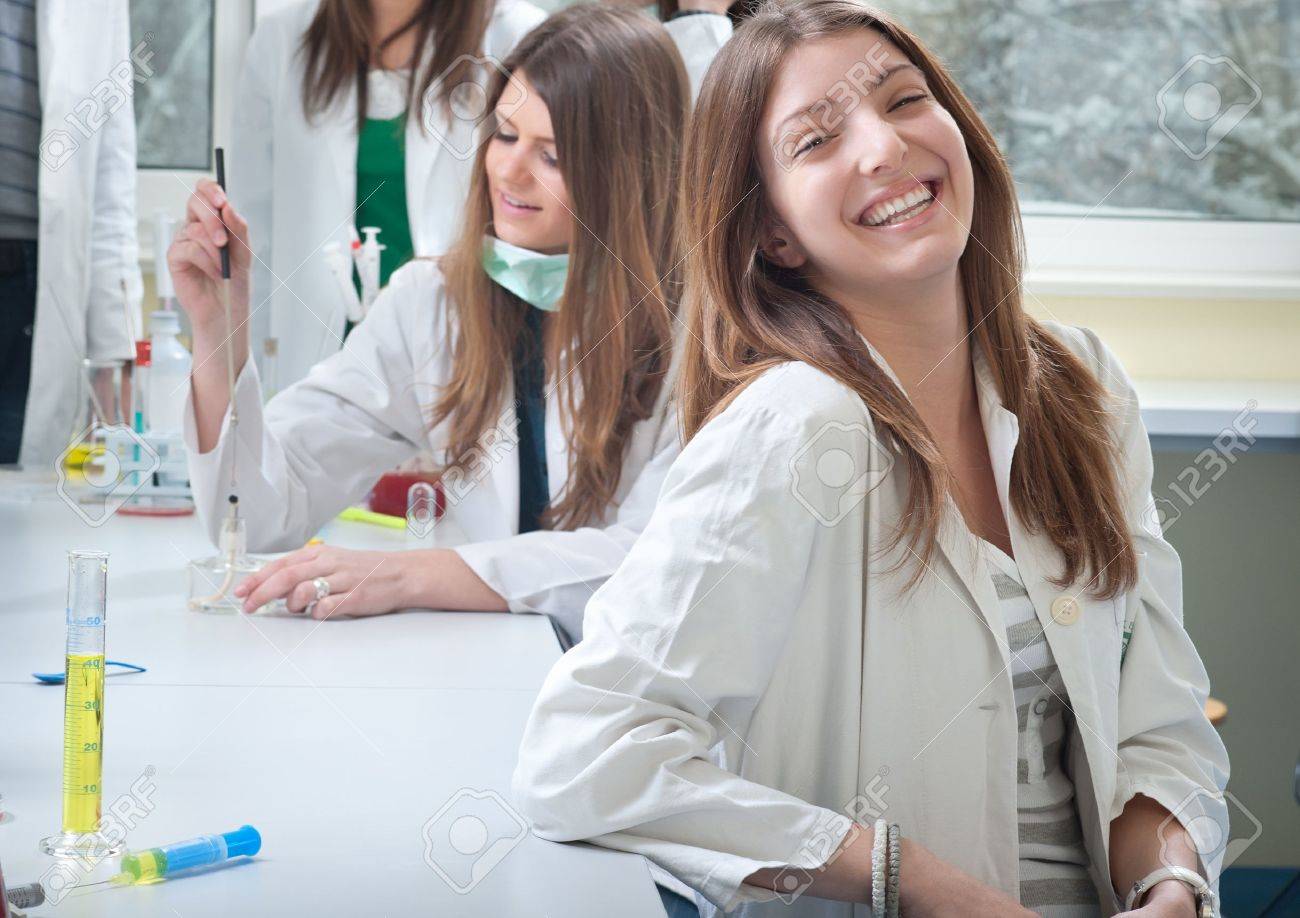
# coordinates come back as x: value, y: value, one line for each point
x: 680, y: 646
x: 1168, y: 749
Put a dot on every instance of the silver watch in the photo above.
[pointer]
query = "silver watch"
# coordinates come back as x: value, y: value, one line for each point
x: 1205, y: 904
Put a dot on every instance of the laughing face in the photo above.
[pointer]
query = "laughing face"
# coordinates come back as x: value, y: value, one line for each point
x: 530, y: 205
x: 868, y: 181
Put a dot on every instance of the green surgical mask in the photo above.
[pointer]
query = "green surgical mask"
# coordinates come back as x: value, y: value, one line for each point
x: 533, y: 277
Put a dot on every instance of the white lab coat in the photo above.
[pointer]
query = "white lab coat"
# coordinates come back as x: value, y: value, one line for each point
x: 87, y: 232
x: 322, y: 443
x: 295, y: 180
x: 745, y: 680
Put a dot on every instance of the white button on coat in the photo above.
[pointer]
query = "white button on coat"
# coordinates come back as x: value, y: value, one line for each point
x: 1065, y: 610
x: 746, y: 679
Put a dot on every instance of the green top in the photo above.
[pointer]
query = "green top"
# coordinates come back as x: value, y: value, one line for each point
x: 381, y: 191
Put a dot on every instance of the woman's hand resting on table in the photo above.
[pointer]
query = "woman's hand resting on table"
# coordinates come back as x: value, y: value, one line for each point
x: 368, y: 582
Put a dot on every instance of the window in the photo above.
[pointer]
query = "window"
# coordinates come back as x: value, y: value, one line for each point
x: 193, y: 49
x: 173, y: 105
x: 1164, y: 108
x: 1155, y: 145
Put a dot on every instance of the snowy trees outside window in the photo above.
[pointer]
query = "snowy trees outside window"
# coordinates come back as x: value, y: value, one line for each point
x: 1157, y: 108
x: 173, y: 106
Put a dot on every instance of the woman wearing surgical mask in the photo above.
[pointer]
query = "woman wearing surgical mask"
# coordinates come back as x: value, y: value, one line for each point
x: 533, y: 359
x: 356, y: 113
x: 902, y: 630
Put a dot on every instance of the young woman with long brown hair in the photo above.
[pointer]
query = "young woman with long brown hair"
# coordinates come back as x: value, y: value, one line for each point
x: 532, y: 359
x: 355, y: 113
x: 902, y: 630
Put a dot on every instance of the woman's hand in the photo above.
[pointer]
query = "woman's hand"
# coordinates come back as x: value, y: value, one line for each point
x: 360, y: 582
x: 194, y: 259
x: 928, y: 887
x: 369, y: 582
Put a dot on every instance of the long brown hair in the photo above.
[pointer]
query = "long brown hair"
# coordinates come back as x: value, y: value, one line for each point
x: 618, y: 98
x: 340, y: 45
x: 748, y: 315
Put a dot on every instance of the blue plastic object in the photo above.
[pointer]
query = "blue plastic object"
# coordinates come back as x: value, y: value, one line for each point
x: 57, y: 678
x: 245, y: 841
x: 154, y: 864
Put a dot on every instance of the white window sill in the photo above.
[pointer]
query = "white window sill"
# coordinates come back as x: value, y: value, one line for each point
x: 1101, y: 255
x: 1149, y: 284
x: 1195, y: 408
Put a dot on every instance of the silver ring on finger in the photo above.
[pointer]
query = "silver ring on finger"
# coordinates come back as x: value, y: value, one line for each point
x: 322, y: 588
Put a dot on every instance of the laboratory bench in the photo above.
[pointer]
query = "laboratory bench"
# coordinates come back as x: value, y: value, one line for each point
x: 374, y: 755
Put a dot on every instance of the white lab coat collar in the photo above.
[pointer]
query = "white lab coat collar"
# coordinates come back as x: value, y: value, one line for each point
x: 957, y: 544
x: 1001, y: 426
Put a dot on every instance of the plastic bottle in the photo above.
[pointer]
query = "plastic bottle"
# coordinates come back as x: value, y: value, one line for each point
x: 169, y: 372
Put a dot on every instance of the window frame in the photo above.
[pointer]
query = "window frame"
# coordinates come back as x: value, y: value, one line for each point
x: 1165, y: 258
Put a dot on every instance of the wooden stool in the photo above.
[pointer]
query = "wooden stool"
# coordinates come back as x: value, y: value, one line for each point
x: 1215, y: 710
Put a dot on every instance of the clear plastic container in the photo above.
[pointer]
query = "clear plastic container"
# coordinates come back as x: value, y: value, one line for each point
x: 169, y: 373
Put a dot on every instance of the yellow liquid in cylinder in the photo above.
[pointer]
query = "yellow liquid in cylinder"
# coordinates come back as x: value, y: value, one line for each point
x: 83, y: 742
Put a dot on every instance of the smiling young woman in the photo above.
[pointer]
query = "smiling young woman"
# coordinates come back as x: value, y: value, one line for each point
x: 910, y: 541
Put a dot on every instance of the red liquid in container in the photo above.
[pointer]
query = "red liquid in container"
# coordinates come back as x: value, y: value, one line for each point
x: 390, y: 492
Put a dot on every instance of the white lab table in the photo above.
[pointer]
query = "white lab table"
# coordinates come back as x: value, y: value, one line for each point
x: 339, y: 740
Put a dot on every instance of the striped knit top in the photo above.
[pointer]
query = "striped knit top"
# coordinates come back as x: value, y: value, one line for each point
x: 20, y: 120
x: 1053, y: 863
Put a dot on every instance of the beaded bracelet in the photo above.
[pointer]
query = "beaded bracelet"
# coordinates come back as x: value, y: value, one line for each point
x: 878, y: 869
x: 895, y: 861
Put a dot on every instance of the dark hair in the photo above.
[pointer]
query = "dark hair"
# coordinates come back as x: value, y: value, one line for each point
x: 340, y: 45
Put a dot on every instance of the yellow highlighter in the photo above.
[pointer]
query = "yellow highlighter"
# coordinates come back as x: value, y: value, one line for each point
x: 358, y: 515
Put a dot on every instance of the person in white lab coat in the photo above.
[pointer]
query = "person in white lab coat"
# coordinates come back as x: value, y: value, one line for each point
x: 564, y: 272
x: 68, y: 258
x: 906, y: 566
x: 392, y: 150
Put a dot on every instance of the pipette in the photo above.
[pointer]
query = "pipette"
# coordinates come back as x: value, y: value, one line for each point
x: 232, y: 530
x: 367, y: 259
x: 340, y: 265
